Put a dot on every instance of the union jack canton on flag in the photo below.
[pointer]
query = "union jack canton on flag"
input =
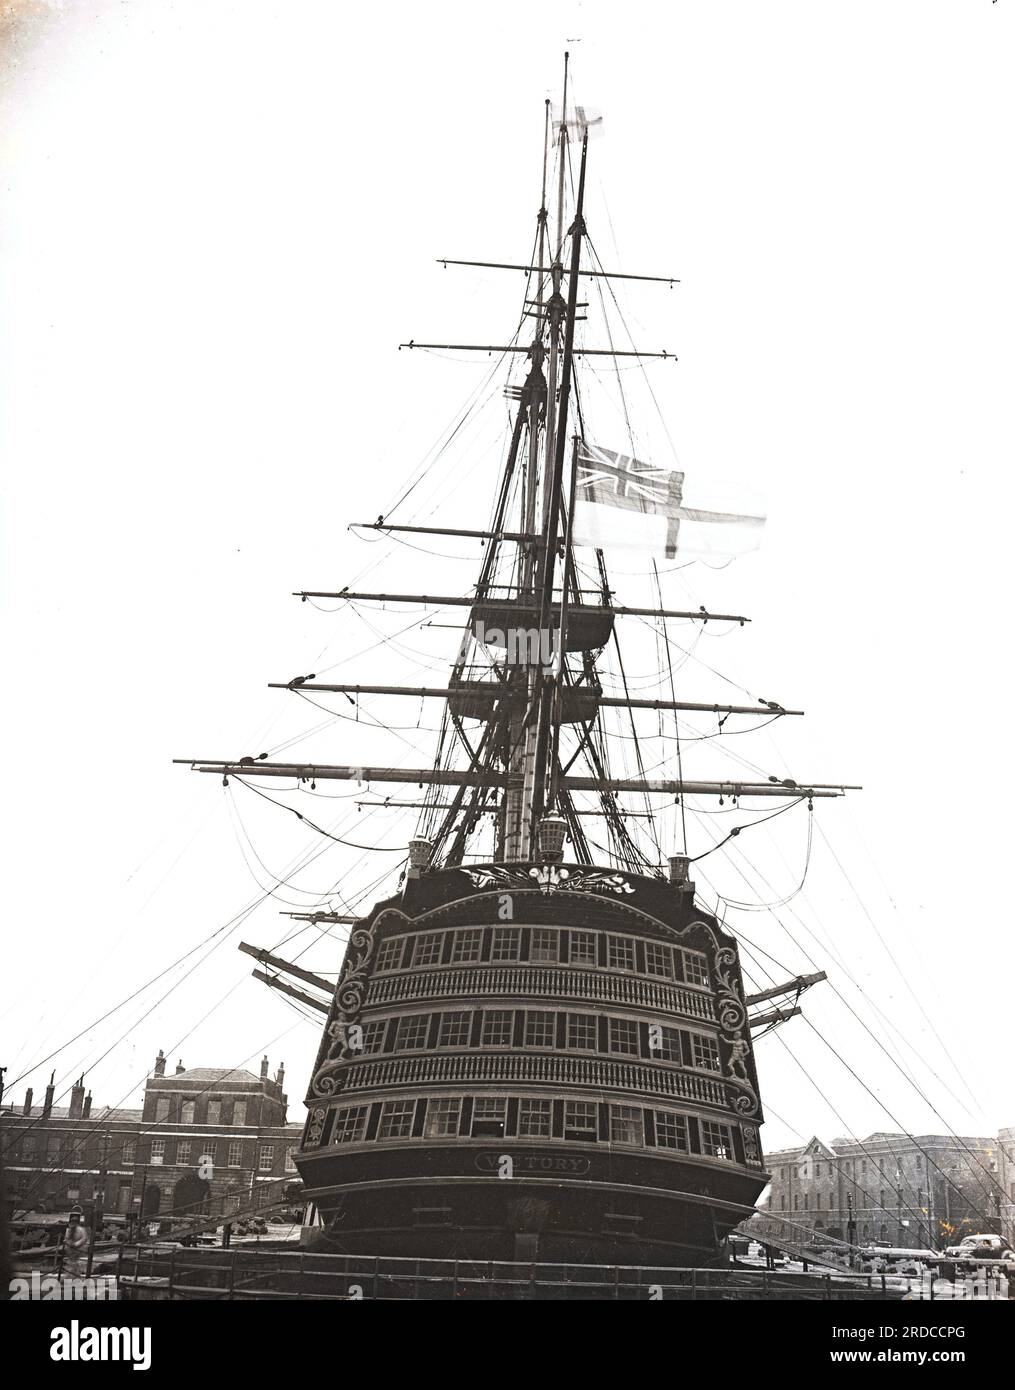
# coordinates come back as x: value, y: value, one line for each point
x: 609, y: 483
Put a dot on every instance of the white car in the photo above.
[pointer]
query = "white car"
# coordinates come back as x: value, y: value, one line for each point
x: 981, y: 1247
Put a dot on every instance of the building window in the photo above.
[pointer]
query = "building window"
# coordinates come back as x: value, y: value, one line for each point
x: 534, y: 1118
x: 372, y: 1037
x: 128, y: 1152
x: 211, y: 1152
x: 28, y: 1149
x: 239, y: 1112
x: 488, y: 1116
x: 664, y: 1043
x: 158, y: 1150
x: 782, y: 1202
x: 626, y: 1125
x: 540, y: 1029
x: 705, y: 1053
x: 183, y: 1152
x: 497, y: 1025
x: 389, y: 957
x: 396, y: 1119
x: 624, y: 1036
x: 162, y: 1108
x: 427, y: 948
x: 443, y: 1116
x: 350, y: 1124
x: 543, y: 944
x: 215, y: 1111
x: 620, y: 952
x: 658, y: 960
x: 716, y: 1140
x: 411, y: 1032
x: 455, y: 1029
x: 582, y: 1031
x: 266, y: 1158
x: 583, y: 948
x: 817, y: 1166
x: 695, y: 968
x: 671, y: 1131
x: 506, y: 943
x: 465, y: 945
x: 290, y: 1162
x: 235, y: 1155
x: 581, y: 1120
x: 188, y: 1112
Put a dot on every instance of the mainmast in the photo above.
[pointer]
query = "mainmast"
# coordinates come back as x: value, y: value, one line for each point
x: 522, y: 699
x: 548, y: 682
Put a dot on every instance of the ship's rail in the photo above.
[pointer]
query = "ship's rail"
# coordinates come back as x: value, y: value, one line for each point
x: 251, y: 1274
x: 546, y: 982
x: 591, y: 1072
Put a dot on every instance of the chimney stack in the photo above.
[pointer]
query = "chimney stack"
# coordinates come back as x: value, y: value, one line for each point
x: 77, y: 1099
x: 160, y: 1063
x: 180, y: 1067
x: 87, y: 1110
x: 28, y: 1100
x: 47, y: 1104
x: 264, y: 1068
x: 280, y: 1074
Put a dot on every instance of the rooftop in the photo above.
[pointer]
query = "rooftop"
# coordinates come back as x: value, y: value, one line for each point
x: 212, y: 1076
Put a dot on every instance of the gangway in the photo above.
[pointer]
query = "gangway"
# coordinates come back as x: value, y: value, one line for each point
x: 237, y: 1205
x: 799, y: 1242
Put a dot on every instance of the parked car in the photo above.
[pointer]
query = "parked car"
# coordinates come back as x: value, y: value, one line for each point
x: 981, y: 1247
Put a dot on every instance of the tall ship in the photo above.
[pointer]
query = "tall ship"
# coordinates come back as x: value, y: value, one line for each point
x: 539, y: 1046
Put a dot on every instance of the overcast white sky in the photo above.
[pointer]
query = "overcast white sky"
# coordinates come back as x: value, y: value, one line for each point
x: 218, y: 221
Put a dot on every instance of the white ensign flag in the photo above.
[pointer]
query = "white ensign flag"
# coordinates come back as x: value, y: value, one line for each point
x: 622, y: 503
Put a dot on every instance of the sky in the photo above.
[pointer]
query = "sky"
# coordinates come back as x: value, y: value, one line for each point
x: 217, y: 223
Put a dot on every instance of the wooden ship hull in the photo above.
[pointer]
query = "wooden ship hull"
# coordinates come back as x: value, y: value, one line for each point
x: 529, y: 1062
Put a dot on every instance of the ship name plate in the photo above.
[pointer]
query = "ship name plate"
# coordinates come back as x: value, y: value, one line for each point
x: 532, y: 1163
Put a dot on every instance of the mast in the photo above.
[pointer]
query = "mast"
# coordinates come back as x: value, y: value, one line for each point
x: 519, y: 767
x: 512, y: 826
x: 546, y: 685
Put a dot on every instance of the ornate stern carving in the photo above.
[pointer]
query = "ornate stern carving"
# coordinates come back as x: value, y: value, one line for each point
x: 752, y: 1149
x: 732, y: 1022
x: 548, y: 878
x: 316, y: 1126
x: 350, y: 993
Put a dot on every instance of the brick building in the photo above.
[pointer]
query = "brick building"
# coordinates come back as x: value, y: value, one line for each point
x: 199, y: 1133
x: 920, y: 1192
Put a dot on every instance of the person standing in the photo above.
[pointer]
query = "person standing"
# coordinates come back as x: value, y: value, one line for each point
x: 75, y: 1244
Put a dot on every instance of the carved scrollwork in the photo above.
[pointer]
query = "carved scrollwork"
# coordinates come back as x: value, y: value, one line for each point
x: 732, y: 1014
x: 548, y: 878
x: 752, y: 1149
x: 350, y: 992
x: 316, y: 1126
